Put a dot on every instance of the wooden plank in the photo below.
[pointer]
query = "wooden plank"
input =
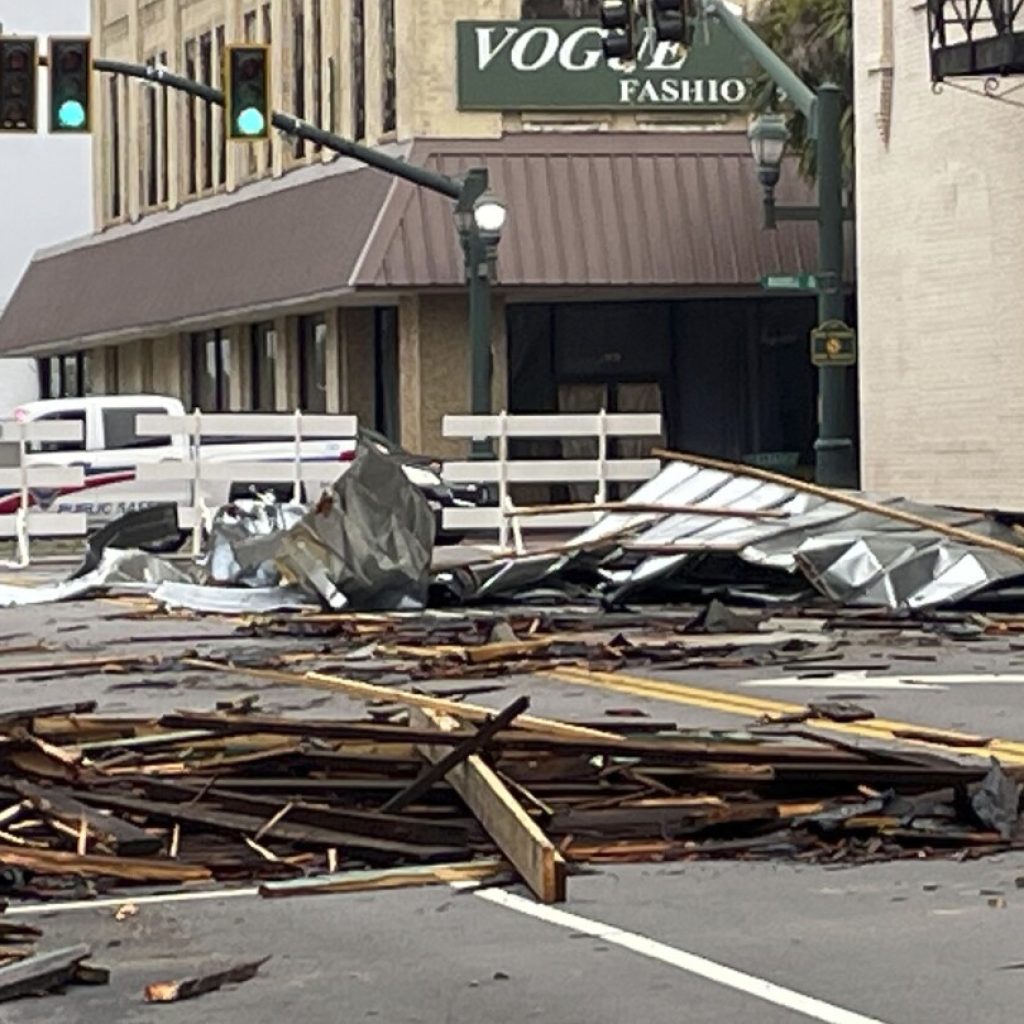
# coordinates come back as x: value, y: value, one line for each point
x: 46, y: 524
x: 123, y: 837
x: 373, y: 691
x: 274, y: 425
x: 554, y: 425
x: 514, y: 832
x: 551, y: 471
x: 42, y: 973
x: 41, y: 430
x: 487, y: 870
x: 457, y: 755
x: 189, y: 988
x: 135, y: 869
x: 42, y: 476
x: 849, y: 499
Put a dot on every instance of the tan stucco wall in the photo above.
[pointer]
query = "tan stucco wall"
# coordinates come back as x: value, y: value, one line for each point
x: 434, y: 364
x: 940, y: 219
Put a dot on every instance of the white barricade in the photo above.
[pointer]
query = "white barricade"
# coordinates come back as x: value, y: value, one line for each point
x: 28, y: 520
x: 501, y: 472
x: 203, y: 467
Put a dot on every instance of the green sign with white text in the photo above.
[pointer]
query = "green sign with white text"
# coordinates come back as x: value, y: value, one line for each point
x: 558, y: 65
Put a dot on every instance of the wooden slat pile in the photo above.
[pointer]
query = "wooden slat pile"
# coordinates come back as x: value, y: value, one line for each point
x: 446, y: 792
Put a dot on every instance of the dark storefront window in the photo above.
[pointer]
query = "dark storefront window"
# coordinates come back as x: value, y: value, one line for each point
x: 385, y: 357
x: 263, y: 339
x: 388, y: 66
x: 358, y: 69
x: 211, y: 371
x: 313, y: 363
x: 152, y: 142
x: 63, y: 376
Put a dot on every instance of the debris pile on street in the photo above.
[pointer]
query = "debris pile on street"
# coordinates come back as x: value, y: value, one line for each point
x: 430, y: 789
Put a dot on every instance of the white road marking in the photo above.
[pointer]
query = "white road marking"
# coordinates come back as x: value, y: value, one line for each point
x: 767, y: 991
x: 169, y: 897
x: 840, y: 681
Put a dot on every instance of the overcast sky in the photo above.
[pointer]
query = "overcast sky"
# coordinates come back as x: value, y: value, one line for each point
x: 45, y: 193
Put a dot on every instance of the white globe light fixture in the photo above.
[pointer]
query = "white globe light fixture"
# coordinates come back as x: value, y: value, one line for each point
x: 768, y: 137
x: 489, y: 216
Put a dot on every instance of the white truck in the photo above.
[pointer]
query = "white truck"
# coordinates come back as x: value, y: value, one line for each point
x: 112, y: 449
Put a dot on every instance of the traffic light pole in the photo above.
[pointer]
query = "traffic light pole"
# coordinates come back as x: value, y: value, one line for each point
x: 835, y: 462
x: 465, y: 192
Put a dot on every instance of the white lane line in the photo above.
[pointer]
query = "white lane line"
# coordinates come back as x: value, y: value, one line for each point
x: 767, y: 991
x: 845, y: 680
x: 169, y: 897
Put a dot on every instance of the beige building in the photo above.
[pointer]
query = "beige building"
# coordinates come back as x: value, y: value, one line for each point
x: 277, y: 275
x: 940, y: 217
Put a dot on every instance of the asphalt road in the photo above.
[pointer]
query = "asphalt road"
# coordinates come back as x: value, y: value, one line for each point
x: 915, y: 942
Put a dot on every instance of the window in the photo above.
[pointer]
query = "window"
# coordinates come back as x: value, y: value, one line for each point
x: 316, y: 59
x: 63, y: 376
x: 206, y: 76
x: 312, y: 364
x: 385, y: 358
x: 332, y: 95
x: 114, y: 154
x: 268, y: 25
x: 358, y: 69
x: 299, y: 68
x: 191, y: 184
x: 211, y: 371
x: 70, y: 416
x: 222, y: 166
x: 152, y: 156
x: 120, y: 428
x: 388, y: 66
x: 165, y: 122
x: 263, y: 340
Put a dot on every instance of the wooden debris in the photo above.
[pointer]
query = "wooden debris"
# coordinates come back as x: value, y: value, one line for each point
x: 489, y: 870
x: 42, y: 973
x: 189, y: 988
x: 132, y: 869
x: 514, y: 832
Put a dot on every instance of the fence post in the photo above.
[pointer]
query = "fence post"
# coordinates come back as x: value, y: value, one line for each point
x: 503, y: 499
x: 602, y: 458
x: 21, y: 530
x: 198, y: 502
x: 297, y: 489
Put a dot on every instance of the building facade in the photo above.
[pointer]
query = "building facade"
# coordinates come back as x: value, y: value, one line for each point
x: 940, y: 217
x: 277, y: 275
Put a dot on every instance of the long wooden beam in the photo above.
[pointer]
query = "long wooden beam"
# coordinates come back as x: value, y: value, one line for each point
x: 514, y: 832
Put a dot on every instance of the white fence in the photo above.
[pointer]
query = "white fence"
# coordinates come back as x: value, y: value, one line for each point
x: 28, y: 521
x: 210, y: 476
x: 501, y: 472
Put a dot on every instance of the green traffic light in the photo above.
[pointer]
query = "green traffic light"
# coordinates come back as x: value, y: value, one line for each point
x: 250, y: 121
x: 71, y: 114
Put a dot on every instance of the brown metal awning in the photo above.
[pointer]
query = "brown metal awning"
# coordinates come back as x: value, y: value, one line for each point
x: 666, y: 210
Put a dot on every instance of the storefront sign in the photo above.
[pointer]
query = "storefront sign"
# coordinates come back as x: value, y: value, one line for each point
x: 558, y: 65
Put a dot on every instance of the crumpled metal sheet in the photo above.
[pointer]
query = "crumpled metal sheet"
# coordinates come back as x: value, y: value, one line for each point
x: 243, y: 541
x: 854, y: 558
x: 231, y: 600
x: 132, y: 571
x: 367, y: 543
x: 152, y: 528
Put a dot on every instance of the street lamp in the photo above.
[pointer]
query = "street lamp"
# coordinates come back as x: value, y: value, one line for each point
x: 480, y: 219
x: 768, y: 136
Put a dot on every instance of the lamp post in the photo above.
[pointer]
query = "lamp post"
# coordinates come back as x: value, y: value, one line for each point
x: 834, y: 457
x: 835, y: 461
x: 480, y: 219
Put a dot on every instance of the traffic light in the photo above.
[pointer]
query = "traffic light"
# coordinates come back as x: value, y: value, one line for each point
x: 247, y: 91
x: 70, y: 85
x: 670, y: 21
x: 18, y: 64
x: 620, y: 20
